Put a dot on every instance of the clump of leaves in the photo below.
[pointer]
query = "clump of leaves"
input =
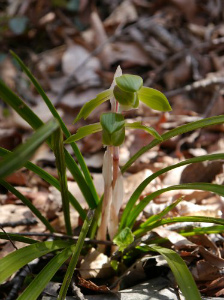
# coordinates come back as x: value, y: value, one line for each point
x: 125, y: 93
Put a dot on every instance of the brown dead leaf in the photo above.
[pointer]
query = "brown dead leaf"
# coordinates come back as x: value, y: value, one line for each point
x: 201, y: 172
x: 95, y: 265
x: 124, y: 13
x: 204, y: 271
x: 92, y: 286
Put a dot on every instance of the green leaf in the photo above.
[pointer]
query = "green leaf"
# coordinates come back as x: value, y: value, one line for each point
x: 57, y: 141
x: 15, y: 160
x: 136, y: 194
x: 124, y: 238
x: 19, y: 258
x: 160, y: 215
x: 83, y: 132
x: 174, y: 132
x: 88, y: 190
x: 41, y: 280
x: 92, y: 104
x: 19, y: 106
x: 17, y: 237
x: 75, y: 255
x: 144, y: 227
x: 33, y: 120
x: 129, y: 83
x: 29, y: 204
x: 51, y: 180
x: 112, y: 122
x: 126, y: 99
x: 113, y: 129
x: 180, y: 271
x: 215, y: 188
x: 154, y: 99
x: 150, y: 130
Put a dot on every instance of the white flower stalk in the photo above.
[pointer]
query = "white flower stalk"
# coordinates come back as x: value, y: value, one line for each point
x: 117, y: 199
x: 108, y: 179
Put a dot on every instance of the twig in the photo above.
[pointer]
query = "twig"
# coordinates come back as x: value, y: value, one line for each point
x: 24, y: 222
x: 63, y: 236
x: 179, y: 54
x: 215, y: 80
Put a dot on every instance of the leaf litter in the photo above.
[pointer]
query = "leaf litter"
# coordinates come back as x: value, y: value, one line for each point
x: 177, y: 47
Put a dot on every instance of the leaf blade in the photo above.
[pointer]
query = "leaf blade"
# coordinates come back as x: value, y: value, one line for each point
x: 129, y: 83
x: 154, y: 99
x: 19, y: 258
x: 180, y: 271
x: 18, y: 157
x: 83, y: 132
x: 150, y: 130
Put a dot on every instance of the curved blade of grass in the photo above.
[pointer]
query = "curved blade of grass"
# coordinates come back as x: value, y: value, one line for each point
x: 83, y: 132
x: 33, y: 120
x: 150, y: 130
x: 136, y: 194
x: 41, y: 280
x: 16, y: 237
x: 57, y: 141
x: 215, y: 188
x: 51, y: 180
x: 187, y: 232
x: 174, y: 132
x: 92, y: 104
x: 29, y: 204
x: 22, y: 153
x: 145, y: 227
x: 63, y: 126
x: 75, y: 255
x: 180, y: 271
x: 165, y: 211
x: 19, y: 258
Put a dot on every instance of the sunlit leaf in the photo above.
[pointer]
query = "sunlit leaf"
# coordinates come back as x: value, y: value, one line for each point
x: 174, y: 132
x: 124, y: 238
x: 150, y: 130
x: 180, y: 271
x: 19, y: 258
x: 83, y: 132
x: 144, y: 227
x: 215, y: 188
x: 92, y: 104
x: 154, y: 99
x: 129, y: 83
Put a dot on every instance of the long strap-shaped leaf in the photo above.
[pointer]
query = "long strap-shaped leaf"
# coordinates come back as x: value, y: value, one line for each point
x: 18, y: 157
x: 19, y: 258
x: 29, y: 204
x: 145, y: 227
x: 75, y: 255
x: 180, y: 271
x: 34, y: 121
x: 41, y: 280
x: 174, y: 132
x: 215, y: 188
x: 51, y: 180
x: 58, y: 147
x: 62, y: 124
x: 17, y: 237
x: 136, y: 194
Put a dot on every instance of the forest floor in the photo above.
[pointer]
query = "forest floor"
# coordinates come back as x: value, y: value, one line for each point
x: 74, y: 48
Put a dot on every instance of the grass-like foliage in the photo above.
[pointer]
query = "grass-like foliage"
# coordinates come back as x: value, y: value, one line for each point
x: 125, y: 93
